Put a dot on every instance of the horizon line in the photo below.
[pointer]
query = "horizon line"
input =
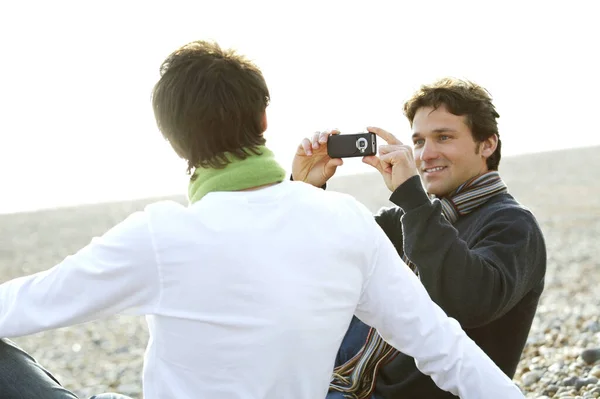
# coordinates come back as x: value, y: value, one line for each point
x: 172, y: 195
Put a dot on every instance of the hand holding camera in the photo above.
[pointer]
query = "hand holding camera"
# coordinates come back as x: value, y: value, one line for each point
x: 312, y: 164
x: 317, y: 159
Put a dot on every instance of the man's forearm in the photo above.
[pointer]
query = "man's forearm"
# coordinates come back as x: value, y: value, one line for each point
x: 114, y: 273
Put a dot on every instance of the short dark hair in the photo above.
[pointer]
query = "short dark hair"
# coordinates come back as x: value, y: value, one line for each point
x: 463, y: 98
x: 210, y: 101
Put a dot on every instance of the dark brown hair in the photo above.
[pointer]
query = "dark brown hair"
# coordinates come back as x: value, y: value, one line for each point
x: 210, y: 101
x: 462, y: 98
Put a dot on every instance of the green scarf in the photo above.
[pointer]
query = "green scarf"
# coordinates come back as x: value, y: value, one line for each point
x: 254, y: 171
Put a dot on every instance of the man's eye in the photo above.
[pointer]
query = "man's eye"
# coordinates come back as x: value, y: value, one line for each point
x: 418, y: 142
x: 444, y: 137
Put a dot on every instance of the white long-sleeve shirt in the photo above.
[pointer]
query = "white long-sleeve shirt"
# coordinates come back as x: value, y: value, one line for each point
x: 249, y: 294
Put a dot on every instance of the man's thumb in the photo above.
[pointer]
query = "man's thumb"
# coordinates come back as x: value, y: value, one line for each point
x: 331, y: 166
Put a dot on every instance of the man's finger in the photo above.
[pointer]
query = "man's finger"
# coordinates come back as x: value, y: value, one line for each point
x: 373, y: 161
x: 384, y: 134
x: 391, y: 159
x: 306, y: 146
x: 325, y: 135
x: 386, y: 149
x: 386, y: 162
x: 315, y: 140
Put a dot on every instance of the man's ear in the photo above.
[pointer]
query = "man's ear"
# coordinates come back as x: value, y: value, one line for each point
x: 265, y: 124
x: 489, y: 145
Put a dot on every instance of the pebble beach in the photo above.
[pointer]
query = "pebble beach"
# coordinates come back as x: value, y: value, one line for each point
x: 562, y: 356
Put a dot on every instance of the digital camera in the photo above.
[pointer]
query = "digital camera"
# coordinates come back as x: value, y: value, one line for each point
x: 352, y: 145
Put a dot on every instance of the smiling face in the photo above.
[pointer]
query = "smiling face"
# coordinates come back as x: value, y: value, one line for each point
x: 445, y: 152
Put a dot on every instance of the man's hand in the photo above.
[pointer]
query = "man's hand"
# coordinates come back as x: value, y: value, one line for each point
x: 311, y: 163
x: 396, y: 162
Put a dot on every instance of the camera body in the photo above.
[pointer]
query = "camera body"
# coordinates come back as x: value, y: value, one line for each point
x: 351, y: 145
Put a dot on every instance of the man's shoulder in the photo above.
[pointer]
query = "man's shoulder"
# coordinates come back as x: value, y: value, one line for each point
x: 332, y: 205
x: 311, y: 193
x: 507, y: 209
x: 165, y: 207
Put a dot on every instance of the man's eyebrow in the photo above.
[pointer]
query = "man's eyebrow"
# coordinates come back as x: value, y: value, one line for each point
x: 436, y: 131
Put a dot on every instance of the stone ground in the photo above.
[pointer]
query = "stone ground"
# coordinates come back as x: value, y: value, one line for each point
x: 561, y: 359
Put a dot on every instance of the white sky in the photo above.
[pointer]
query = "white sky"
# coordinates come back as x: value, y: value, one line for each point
x: 76, y: 125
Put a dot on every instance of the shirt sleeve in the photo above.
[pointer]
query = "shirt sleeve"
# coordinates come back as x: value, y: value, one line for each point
x: 395, y: 302
x: 116, y: 272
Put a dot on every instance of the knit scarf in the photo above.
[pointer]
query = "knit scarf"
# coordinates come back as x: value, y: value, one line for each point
x: 356, y: 377
x: 255, y: 170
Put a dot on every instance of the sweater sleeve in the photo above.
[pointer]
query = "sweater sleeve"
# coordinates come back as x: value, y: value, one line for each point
x: 114, y: 273
x: 398, y: 306
x: 390, y: 221
x: 479, y: 283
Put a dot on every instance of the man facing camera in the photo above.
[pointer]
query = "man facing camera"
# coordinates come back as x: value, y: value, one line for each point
x: 477, y: 251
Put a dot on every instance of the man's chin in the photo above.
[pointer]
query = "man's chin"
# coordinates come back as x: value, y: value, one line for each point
x: 435, y: 189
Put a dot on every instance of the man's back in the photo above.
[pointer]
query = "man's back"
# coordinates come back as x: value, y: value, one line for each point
x: 258, y: 289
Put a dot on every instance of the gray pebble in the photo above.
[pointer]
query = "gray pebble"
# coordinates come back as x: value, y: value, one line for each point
x: 551, y: 390
x: 592, y: 326
x: 531, y: 377
x: 569, y: 381
x: 591, y: 356
x: 582, y: 382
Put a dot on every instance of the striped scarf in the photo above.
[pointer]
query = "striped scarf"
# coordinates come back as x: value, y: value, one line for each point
x: 356, y: 377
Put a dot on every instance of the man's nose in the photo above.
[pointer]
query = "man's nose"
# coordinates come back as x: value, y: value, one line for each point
x: 429, y: 151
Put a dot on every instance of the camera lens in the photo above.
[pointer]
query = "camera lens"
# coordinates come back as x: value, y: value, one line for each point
x: 362, y: 144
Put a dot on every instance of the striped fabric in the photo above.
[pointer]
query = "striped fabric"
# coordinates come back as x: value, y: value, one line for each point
x: 356, y: 377
x: 471, y: 195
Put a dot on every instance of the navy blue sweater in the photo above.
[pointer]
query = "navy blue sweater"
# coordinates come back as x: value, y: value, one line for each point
x: 486, y: 271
